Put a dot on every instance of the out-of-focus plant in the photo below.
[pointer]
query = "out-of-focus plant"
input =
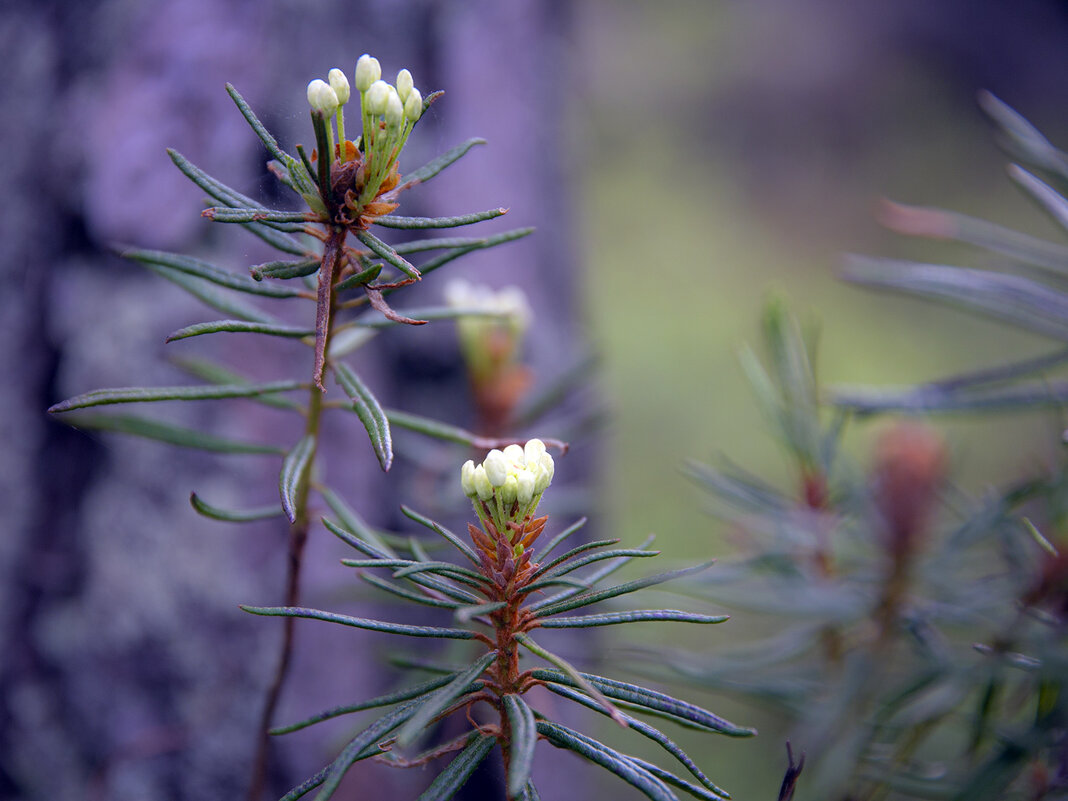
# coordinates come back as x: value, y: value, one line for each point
x: 340, y: 270
x: 497, y: 601
x: 918, y: 640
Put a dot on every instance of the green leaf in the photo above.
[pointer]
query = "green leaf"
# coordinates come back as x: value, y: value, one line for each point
x: 548, y: 567
x: 241, y: 327
x: 530, y: 792
x: 1011, y: 298
x: 1025, y: 139
x: 448, y: 569
x: 385, y: 252
x: 1052, y: 202
x: 465, y: 614
x: 608, y: 758
x: 362, y: 623
x: 668, y: 778
x: 612, y: 618
x: 409, y: 595
x: 218, y: 190
x: 438, y: 430
x: 372, y: 320
x: 441, y: 700
x: 594, y: 577
x: 103, y: 397
x: 217, y: 374
x: 437, y: 528
x: 292, y: 221
x: 294, y: 473
x: 207, y: 294
x: 279, y: 240
x: 168, y: 432
x: 523, y: 736
x: 391, y: 221
x: 458, y: 771
x: 369, y: 411
x: 432, y: 168
x: 285, y: 269
x: 928, y: 399
x: 209, y: 272
x: 544, y: 608
x: 464, y: 242
x: 354, y: 524
x: 383, y: 700
x: 244, y: 516
x: 563, y: 535
x: 574, y: 675
x: 261, y: 131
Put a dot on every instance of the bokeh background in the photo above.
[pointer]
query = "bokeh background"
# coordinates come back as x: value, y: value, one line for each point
x: 678, y: 159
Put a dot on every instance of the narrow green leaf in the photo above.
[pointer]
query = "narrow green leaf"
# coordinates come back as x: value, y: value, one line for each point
x: 523, y: 736
x: 391, y: 221
x: 294, y: 473
x: 928, y: 399
x: 1011, y: 298
x: 372, y: 320
x: 438, y: 430
x: 278, y: 240
x: 594, y: 577
x: 265, y: 136
x: 645, y: 730
x: 473, y: 242
x: 563, y: 535
x: 217, y: 374
x: 168, y: 432
x: 1054, y: 204
x: 457, y: 772
x: 609, y: 759
x: 530, y: 792
x: 218, y: 190
x: 355, y: 524
x: 369, y: 411
x: 285, y: 269
x: 574, y: 675
x: 225, y: 214
x: 402, y: 592
x: 385, y: 252
x: 670, y: 779
x: 545, y: 609
x: 448, y: 569
x: 1026, y: 140
x: 579, y: 549
x: 433, y: 167
x: 362, y: 623
x: 241, y: 327
x: 465, y: 614
x: 442, y: 699
x: 383, y: 700
x: 103, y: 397
x: 229, y: 516
x: 210, y: 296
x: 361, y: 278
x: 209, y: 272
x: 612, y: 618
x: 437, y: 528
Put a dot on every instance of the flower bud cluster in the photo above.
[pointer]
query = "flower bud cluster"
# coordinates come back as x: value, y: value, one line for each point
x: 508, y: 485
x: 490, y: 336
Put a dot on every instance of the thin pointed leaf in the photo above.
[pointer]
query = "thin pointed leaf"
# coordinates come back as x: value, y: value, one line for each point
x: 370, y: 413
x: 217, y: 374
x: 645, y: 730
x: 1045, y: 195
x: 210, y: 296
x: 447, y: 569
x: 574, y: 676
x: 472, y: 242
x: 458, y: 771
x: 168, y: 432
x: 362, y: 623
x: 643, y: 698
x: 523, y: 736
x: 433, y: 167
x: 409, y: 595
x: 593, y: 578
x: 928, y: 399
x: 586, y: 546
x: 209, y: 272
x: 451, y: 433
x: 102, y: 397
x: 292, y: 221
x: 465, y: 614
x: 387, y: 253
x: 674, y: 781
x: 609, y: 759
x: 294, y: 473
x: 391, y: 221
x: 437, y: 528
x: 261, y: 131
x: 217, y: 189
x: 595, y: 596
x: 530, y: 792
x: 355, y: 524
x: 241, y: 327
x: 383, y: 700
x: 285, y: 269
x: 589, y: 559
x: 613, y: 618
x: 1011, y: 298
x: 232, y: 516
x: 442, y: 699
x: 278, y: 240
x: 428, y: 313
x: 1026, y: 140
x: 563, y: 535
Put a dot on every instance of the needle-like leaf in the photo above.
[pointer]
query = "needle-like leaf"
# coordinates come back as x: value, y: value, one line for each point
x: 370, y: 413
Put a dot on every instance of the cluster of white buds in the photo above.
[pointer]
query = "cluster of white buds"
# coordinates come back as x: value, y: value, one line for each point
x: 389, y: 114
x: 491, y: 334
x: 508, y: 485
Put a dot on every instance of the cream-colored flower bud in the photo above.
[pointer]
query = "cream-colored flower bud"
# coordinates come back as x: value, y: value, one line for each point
x: 413, y: 106
x: 533, y: 451
x: 394, y: 112
x: 340, y: 84
x: 496, y: 465
x: 527, y: 484
x: 514, y: 454
x: 321, y: 97
x: 467, y: 479
x: 376, y: 98
x: 405, y: 84
x: 545, y: 475
x: 509, y: 491
x: 367, y: 72
x: 482, y: 484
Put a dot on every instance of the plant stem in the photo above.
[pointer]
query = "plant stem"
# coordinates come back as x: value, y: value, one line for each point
x: 298, y: 535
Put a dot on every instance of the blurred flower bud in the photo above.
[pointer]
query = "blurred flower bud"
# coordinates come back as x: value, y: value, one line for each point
x: 367, y: 72
x: 405, y: 84
x: 533, y: 451
x: 340, y: 84
x: 514, y: 454
x: 377, y: 97
x: 467, y: 479
x: 482, y: 484
x: 394, y: 112
x: 496, y: 465
x: 321, y: 97
x: 413, y: 105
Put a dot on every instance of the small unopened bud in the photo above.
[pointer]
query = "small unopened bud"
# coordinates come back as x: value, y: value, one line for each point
x: 405, y: 84
x: 394, y: 112
x: 514, y: 454
x: 367, y: 72
x: 526, y: 488
x: 533, y: 450
x: 509, y: 490
x: 467, y: 479
x: 413, y: 106
x: 496, y: 465
x: 482, y: 484
x: 321, y: 97
x: 340, y: 84
x: 545, y: 476
x: 377, y: 97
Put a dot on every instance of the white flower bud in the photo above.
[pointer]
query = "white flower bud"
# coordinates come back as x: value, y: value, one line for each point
x: 496, y: 467
x: 514, y: 454
x: 321, y: 97
x: 377, y: 97
x: 340, y: 84
x: 367, y: 72
x: 457, y: 293
x: 545, y: 476
x: 532, y: 451
x: 413, y: 105
x: 467, y: 479
x: 394, y: 112
x: 405, y: 84
x: 482, y: 484
x: 527, y: 484
x: 509, y: 490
